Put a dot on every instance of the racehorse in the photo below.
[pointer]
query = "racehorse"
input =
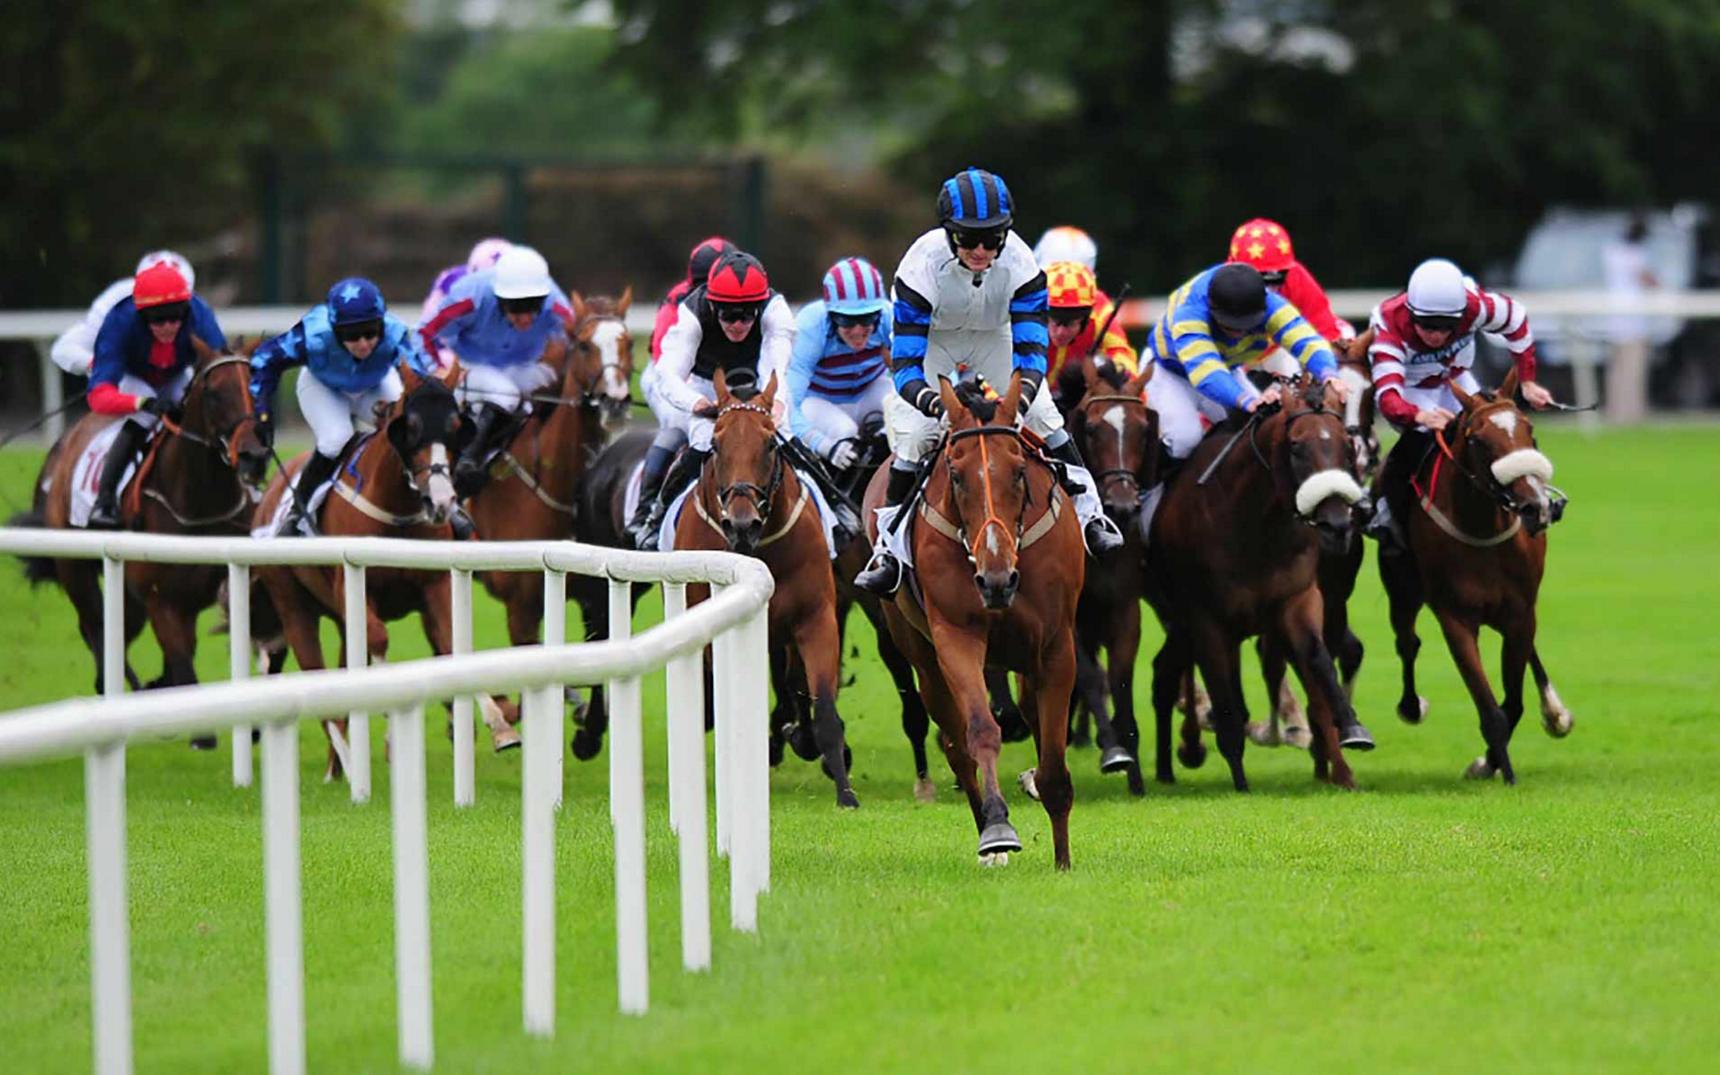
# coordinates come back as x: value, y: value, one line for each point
x: 749, y: 500
x: 395, y: 483
x: 1238, y: 557
x: 1477, y: 550
x: 998, y: 566
x: 198, y: 477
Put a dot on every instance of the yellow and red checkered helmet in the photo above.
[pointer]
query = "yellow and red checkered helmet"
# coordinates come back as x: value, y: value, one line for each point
x: 1071, y: 285
x: 1263, y: 244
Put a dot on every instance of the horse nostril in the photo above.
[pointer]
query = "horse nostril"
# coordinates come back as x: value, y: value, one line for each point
x: 1014, y: 580
x: 979, y: 581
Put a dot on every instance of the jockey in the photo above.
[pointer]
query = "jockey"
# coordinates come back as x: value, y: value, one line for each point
x: 1077, y: 309
x: 733, y: 321
x: 970, y: 297
x: 836, y: 373
x: 349, y: 347
x: 142, y: 366
x: 1424, y: 341
x: 671, y: 431
x: 1213, y: 328
x: 1265, y: 245
x: 483, y: 256
x: 1066, y: 243
x: 500, y: 322
x: 75, y: 348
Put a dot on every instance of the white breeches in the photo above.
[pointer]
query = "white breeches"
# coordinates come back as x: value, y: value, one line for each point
x: 334, y: 415
x: 839, y: 419
x: 504, y: 386
x: 1181, y: 408
x: 172, y: 392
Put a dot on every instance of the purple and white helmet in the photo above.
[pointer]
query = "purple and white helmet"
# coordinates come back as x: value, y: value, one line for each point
x: 485, y: 253
x: 854, y: 286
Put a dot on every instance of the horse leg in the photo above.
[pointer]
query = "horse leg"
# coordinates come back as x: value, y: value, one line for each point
x: 1050, y: 687
x: 1403, y: 591
x: 1517, y: 642
x: 1090, y: 689
x: 1008, y: 715
x: 1555, y: 717
x: 83, y: 588
x: 1460, y: 638
x: 821, y: 656
x: 299, y: 623
x: 1272, y: 668
x: 1194, y: 702
x: 791, y: 711
x: 176, y: 631
x: 1123, y: 650
x: 1169, y: 666
x: 593, y: 601
x: 1300, y: 634
x: 1219, y: 662
x: 915, y: 721
x: 961, y: 658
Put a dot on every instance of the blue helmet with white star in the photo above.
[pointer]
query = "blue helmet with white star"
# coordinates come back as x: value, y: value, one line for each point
x: 355, y: 299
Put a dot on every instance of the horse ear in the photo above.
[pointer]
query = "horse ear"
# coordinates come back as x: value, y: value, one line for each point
x: 409, y: 377
x: 248, y: 347
x: 1464, y: 399
x: 721, y: 381
x: 577, y: 301
x: 1011, y: 402
x: 768, y: 396
x: 1508, y: 387
x: 1090, y: 370
x: 958, y: 413
x: 1137, y: 385
x: 622, y: 303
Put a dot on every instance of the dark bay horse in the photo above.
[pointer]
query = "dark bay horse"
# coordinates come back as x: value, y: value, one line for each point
x: 1238, y: 557
x: 749, y: 500
x: 198, y: 477
x: 998, y: 567
x: 1477, y: 551
x: 397, y: 483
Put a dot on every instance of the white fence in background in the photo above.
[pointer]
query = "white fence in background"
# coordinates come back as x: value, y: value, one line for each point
x: 732, y: 621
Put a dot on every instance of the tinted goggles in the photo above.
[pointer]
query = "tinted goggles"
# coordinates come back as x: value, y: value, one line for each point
x: 167, y: 313
x: 1070, y: 316
x: 855, y: 320
x: 735, y: 313
x: 362, y: 330
x: 529, y: 305
x: 1436, y: 322
x: 1274, y: 278
x: 988, y: 238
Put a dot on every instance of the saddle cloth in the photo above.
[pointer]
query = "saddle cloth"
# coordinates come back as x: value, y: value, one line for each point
x: 666, y: 537
x: 318, y: 495
x: 87, y: 474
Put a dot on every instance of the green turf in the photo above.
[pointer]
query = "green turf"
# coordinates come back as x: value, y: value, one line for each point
x: 1422, y: 924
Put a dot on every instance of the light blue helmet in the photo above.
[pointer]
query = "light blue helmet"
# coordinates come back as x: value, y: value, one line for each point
x: 854, y: 286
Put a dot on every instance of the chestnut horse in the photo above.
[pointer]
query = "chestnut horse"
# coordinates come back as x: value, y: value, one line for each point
x: 1477, y: 550
x: 395, y: 484
x: 998, y: 567
x: 199, y: 477
x: 1239, y: 557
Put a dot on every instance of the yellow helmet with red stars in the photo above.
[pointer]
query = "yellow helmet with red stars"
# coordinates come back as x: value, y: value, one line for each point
x: 1264, y: 244
x: 1071, y: 285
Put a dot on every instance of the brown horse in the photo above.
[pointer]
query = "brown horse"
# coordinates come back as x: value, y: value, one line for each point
x: 198, y: 477
x: 999, y: 564
x: 749, y: 500
x: 394, y: 484
x: 1477, y: 550
x: 1239, y: 557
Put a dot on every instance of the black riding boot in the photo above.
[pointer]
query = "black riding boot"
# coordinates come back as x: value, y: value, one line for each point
x: 657, y: 460
x: 1392, y: 503
x: 884, y: 573
x: 318, y: 469
x: 129, y: 441
x: 684, y: 473
x: 469, y: 468
x: 1101, y: 533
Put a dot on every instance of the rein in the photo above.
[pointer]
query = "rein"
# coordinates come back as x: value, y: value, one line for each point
x: 1490, y: 489
x: 1024, y: 537
x: 763, y: 496
x: 228, y: 448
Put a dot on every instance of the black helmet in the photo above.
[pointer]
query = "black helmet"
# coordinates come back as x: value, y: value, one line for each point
x: 1236, y: 295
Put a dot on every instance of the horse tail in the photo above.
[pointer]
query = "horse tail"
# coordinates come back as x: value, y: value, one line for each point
x: 37, y: 569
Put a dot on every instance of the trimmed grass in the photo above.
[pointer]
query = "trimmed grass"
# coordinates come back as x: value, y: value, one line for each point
x: 1421, y: 924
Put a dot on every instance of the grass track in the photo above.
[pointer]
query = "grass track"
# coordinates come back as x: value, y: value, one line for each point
x: 1422, y: 924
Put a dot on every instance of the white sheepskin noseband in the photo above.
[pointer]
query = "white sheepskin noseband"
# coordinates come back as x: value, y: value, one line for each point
x: 1324, y: 484
x: 1522, y: 463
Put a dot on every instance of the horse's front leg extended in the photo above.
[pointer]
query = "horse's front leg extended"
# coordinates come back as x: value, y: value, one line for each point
x: 1460, y: 638
x: 820, y: 647
x: 436, y: 615
x: 1403, y: 590
x: 1300, y: 634
x: 176, y: 630
x: 961, y: 659
x: 1123, y: 651
x: 1051, y: 685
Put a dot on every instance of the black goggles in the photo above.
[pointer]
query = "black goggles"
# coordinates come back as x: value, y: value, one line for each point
x: 1436, y: 322
x: 1238, y: 326
x: 855, y: 320
x: 1070, y: 316
x: 362, y: 330
x: 1274, y: 278
x: 971, y: 239
x: 529, y: 305
x: 735, y: 313
x: 166, y: 313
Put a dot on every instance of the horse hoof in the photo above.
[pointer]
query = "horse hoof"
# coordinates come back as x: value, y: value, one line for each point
x: 203, y: 742
x: 1417, y: 715
x: 1478, y: 769
x: 776, y: 749
x: 1137, y: 784
x: 847, y: 763
x: 585, y: 747
x: 998, y: 837
x: 1029, y: 781
x: 999, y: 858
x: 1356, y: 737
x: 925, y: 791
x: 1555, y: 718
x: 1264, y: 734
x: 1115, y: 760
x: 846, y: 799
x: 1298, y: 737
x: 805, y: 744
x: 1192, y: 756
x: 1081, y: 739
x: 505, y: 740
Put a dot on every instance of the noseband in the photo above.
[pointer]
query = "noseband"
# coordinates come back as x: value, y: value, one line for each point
x: 991, y: 516
x: 227, y: 445
x: 762, y: 496
x: 1488, y: 484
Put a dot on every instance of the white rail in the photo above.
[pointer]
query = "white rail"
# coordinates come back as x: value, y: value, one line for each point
x: 733, y: 619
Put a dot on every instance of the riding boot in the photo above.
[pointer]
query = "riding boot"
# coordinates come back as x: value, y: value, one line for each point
x: 469, y: 468
x: 657, y: 460
x: 126, y: 444
x: 1392, y: 504
x: 317, y: 469
x: 684, y: 473
x: 883, y: 573
x: 1101, y: 533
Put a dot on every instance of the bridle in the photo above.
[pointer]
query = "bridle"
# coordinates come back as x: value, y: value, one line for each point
x: 228, y: 445
x: 762, y: 496
x: 1121, y: 474
x: 971, y: 546
x: 590, y: 394
x: 1498, y: 493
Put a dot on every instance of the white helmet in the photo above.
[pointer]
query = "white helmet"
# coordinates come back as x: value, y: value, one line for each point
x: 522, y: 273
x: 1066, y: 243
x: 168, y: 257
x: 1436, y: 289
x: 485, y: 252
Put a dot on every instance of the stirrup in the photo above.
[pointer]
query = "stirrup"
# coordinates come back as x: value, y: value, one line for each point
x: 104, y: 518
x: 1102, y: 535
x: 882, y: 575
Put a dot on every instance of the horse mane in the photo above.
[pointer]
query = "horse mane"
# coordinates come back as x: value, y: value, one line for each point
x: 973, y: 397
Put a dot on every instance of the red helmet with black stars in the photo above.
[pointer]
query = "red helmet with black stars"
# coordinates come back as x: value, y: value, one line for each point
x: 737, y: 277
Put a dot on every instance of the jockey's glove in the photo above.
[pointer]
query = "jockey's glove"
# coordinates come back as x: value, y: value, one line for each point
x: 266, y: 429
x: 151, y: 405
x: 844, y: 454
x: 925, y: 398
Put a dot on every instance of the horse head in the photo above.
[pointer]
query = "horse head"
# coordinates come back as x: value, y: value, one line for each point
x: 1495, y: 442
x: 986, y: 464
x: 422, y: 430
x: 745, y: 466
x: 219, y: 408
x: 600, y: 364
x: 1317, y: 462
x: 1118, y: 436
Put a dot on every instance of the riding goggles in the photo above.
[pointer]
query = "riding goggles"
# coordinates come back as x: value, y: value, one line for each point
x: 166, y: 313
x: 735, y: 313
x: 1274, y: 278
x: 969, y: 239
x: 530, y: 305
x: 362, y: 330
x: 1436, y: 322
x: 856, y: 320
x: 1071, y: 316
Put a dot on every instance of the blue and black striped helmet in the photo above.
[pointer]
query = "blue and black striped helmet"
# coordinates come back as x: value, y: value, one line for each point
x: 974, y: 198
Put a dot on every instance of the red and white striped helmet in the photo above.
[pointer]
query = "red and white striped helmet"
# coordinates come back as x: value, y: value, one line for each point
x: 854, y: 286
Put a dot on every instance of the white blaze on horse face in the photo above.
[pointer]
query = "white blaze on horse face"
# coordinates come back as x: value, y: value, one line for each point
x: 1323, y: 484
x: 1506, y: 420
x: 607, y: 338
x: 1522, y: 463
x: 991, y: 540
x: 1115, y: 419
x: 440, y: 489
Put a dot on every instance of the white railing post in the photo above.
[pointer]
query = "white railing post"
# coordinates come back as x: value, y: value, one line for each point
x: 685, y: 681
x: 357, y: 656
x: 104, y: 807
x: 755, y: 660
x: 620, y: 627
x: 460, y: 612
x: 627, y: 807
x: 537, y: 824
x: 734, y: 752
x: 555, y: 634
x: 411, y: 886
x: 283, y: 900
x: 723, y: 725
x: 239, y: 661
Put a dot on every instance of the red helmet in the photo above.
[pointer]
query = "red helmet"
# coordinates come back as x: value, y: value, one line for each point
x: 159, y: 285
x: 1263, y: 244
x: 737, y: 277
